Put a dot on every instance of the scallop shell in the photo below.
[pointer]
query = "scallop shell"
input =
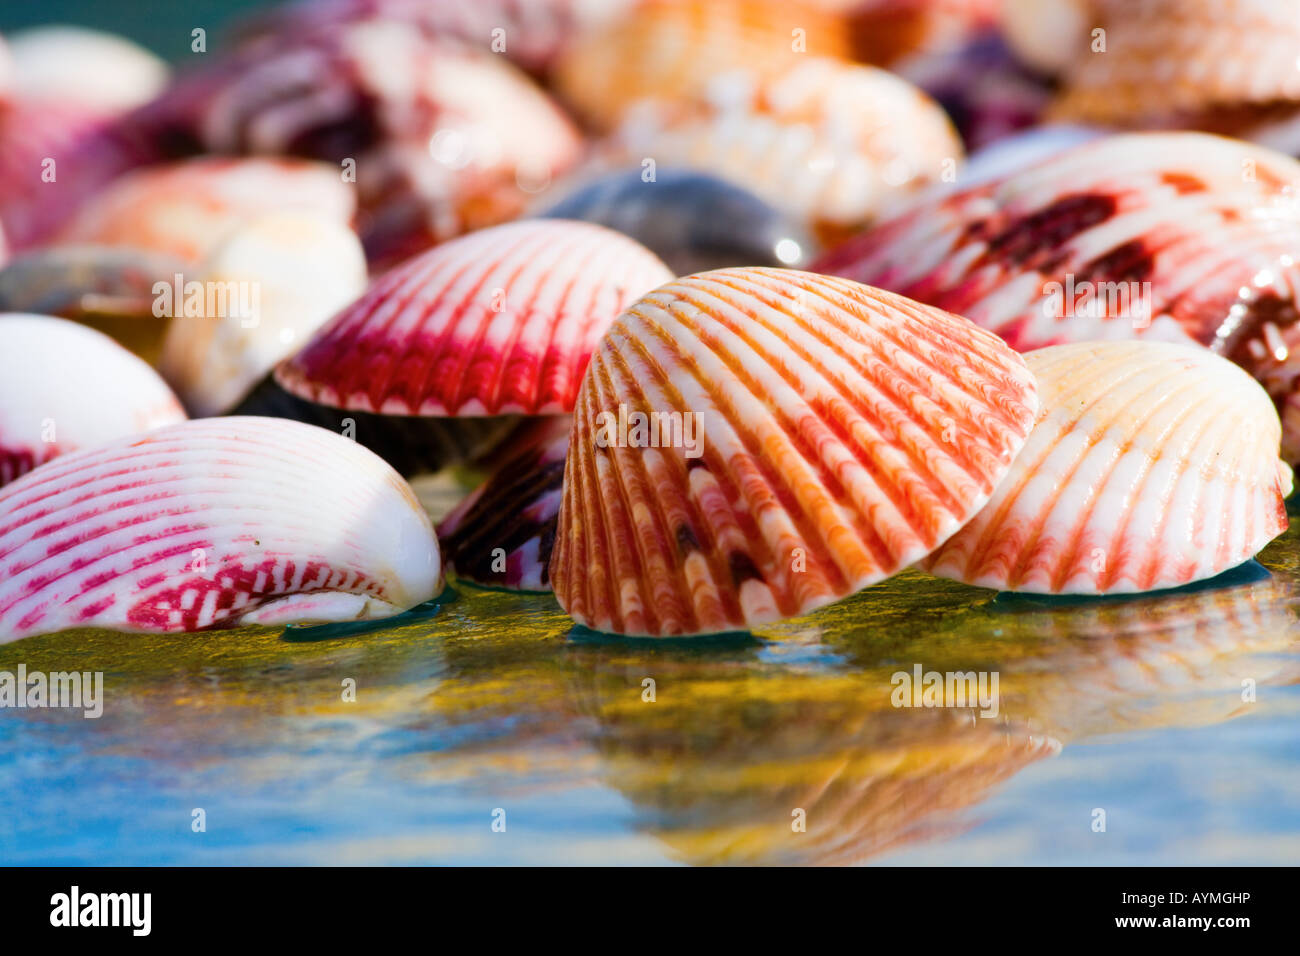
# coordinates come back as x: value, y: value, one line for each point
x: 297, y: 272
x: 1150, y: 465
x: 210, y: 524
x: 694, y: 222
x: 500, y: 321
x: 672, y: 49
x: 833, y: 143
x: 502, y: 534
x: 1178, y: 237
x: 186, y: 209
x: 64, y: 387
x: 835, y: 435
x: 1166, y: 61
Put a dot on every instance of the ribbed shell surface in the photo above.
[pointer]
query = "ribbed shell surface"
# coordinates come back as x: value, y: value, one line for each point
x: 500, y: 321
x: 1180, y: 237
x: 1151, y: 465
x: 208, y: 523
x: 64, y: 387
x: 826, y: 435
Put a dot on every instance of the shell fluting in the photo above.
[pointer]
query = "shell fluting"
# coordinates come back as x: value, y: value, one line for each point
x: 1151, y: 465
x: 502, y: 321
x: 209, y: 524
x: 800, y: 437
x: 64, y: 387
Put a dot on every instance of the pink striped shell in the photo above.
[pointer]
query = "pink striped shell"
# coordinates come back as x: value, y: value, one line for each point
x: 1180, y: 237
x: 187, y: 209
x: 1150, y: 465
x: 500, y: 321
x: 209, y: 524
x: 836, y: 434
x: 64, y: 387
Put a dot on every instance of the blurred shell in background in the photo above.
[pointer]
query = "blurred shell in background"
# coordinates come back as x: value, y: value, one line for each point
x: 811, y: 436
x: 1150, y: 466
x: 885, y: 31
x: 98, y: 71
x: 836, y: 144
x: 187, y: 209
x: 1181, y: 237
x: 691, y: 220
x: 208, y: 524
x: 295, y: 272
x: 64, y: 387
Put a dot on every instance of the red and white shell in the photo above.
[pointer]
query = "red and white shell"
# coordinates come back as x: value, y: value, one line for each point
x: 209, y: 524
x: 813, y: 436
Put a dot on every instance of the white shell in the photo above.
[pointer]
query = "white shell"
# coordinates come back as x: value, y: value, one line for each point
x: 296, y: 272
x: 88, y: 67
x: 64, y: 387
x: 208, y: 524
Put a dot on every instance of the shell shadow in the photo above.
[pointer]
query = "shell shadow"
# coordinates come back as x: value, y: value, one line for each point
x: 1250, y: 572
x: 309, y: 633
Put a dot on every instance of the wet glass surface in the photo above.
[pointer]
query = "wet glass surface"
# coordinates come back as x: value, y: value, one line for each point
x: 492, y: 706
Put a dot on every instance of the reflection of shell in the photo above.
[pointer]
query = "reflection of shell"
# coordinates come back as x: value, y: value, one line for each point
x: 294, y: 272
x: 208, y: 524
x: 64, y: 387
x: 834, y: 143
x: 1174, y: 236
x: 87, y: 68
x: 1166, y: 61
x: 502, y: 534
x: 497, y: 322
x: 186, y: 209
x: 1150, y: 465
x: 672, y: 49
x: 839, y: 434
x: 693, y: 221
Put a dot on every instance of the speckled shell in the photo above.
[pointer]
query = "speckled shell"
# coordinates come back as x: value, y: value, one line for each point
x: 64, y: 387
x: 502, y: 534
x: 1150, y: 465
x: 498, y: 322
x: 187, y: 209
x: 836, y: 144
x: 1168, y: 62
x: 672, y: 49
x: 837, y: 434
x: 694, y: 222
x: 1202, y: 231
x: 210, y: 524
x: 301, y: 269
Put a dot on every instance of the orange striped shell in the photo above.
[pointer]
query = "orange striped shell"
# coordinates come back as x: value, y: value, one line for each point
x: 498, y: 322
x: 671, y: 49
x: 1151, y: 465
x: 810, y: 436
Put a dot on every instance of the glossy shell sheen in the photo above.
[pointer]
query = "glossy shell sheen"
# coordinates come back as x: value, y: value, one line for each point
x: 210, y: 524
x: 64, y: 387
x: 186, y: 209
x: 1180, y: 237
x: 694, y: 222
x: 1151, y: 465
x: 502, y: 534
x: 497, y: 322
x: 813, y: 436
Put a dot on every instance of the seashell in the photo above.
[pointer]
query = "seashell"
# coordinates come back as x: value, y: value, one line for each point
x: 295, y: 272
x: 1022, y: 150
x: 64, y: 387
x: 886, y: 31
x: 109, y: 288
x: 1178, y: 237
x: 673, y: 49
x: 836, y: 144
x: 186, y: 209
x: 1176, y: 63
x: 694, y: 222
x: 499, y: 322
x: 1151, y: 465
x: 1048, y: 34
x: 820, y: 453
x: 211, y: 524
x: 103, y: 72
x: 502, y: 534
